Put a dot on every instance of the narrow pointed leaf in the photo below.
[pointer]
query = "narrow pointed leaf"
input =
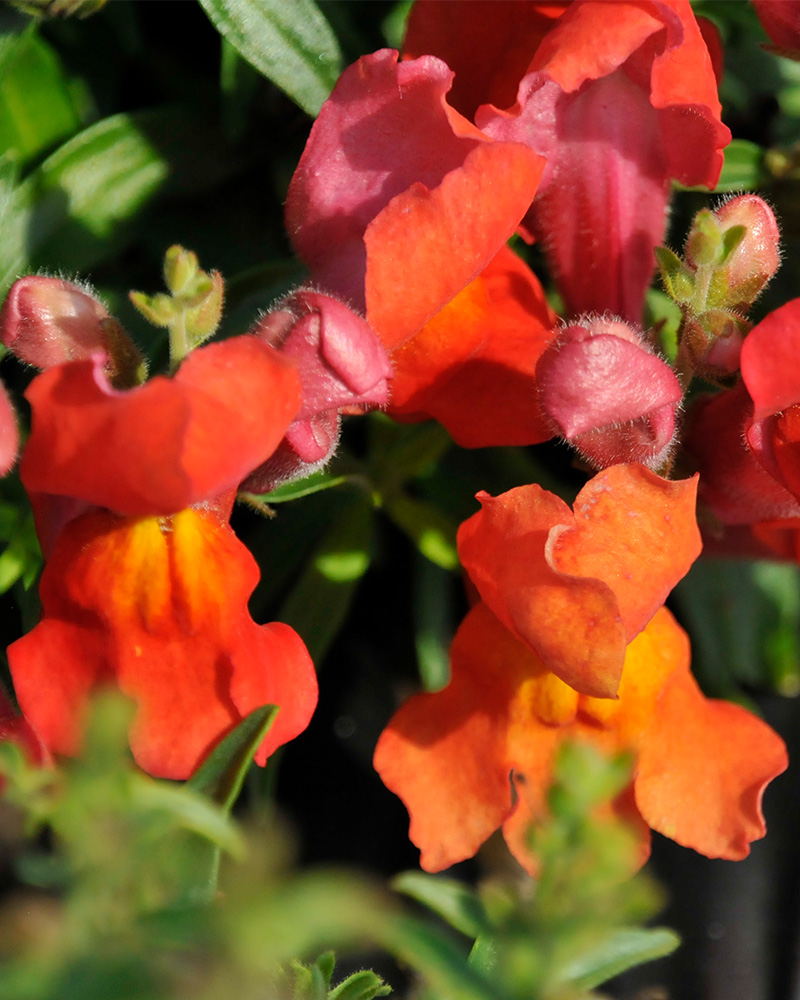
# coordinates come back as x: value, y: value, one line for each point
x: 452, y: 900
x: 221, y: 775
x: 622, y: 950
x: 290, y: 43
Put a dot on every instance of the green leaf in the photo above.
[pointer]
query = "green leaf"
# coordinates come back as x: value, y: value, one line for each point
x: 622, y: 950
x: 318, y: 603
x: 79, y: 205
x: 36, y: 107
x: 290, y: 43
x: 315, y: 483
x: 432, y: 532
x: 221, y: 774
x: 434, y: 615
x: 744, y: 617
x: 742, y: 169
x: 452, y: 900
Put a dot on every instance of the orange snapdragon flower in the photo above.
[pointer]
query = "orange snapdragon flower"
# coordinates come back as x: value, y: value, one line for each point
x: 479, y: 754
x: 570, y: 640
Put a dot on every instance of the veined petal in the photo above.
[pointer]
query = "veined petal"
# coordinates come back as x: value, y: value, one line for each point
x: 167, y: 444
x: 159, y: 608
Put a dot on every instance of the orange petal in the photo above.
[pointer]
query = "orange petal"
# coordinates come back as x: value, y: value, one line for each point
x: 572, y: 623
x: 472, y: 367
x: 635, y: 531
x: 703, y: 767
x: 445, y: 754
x: 426, y: 245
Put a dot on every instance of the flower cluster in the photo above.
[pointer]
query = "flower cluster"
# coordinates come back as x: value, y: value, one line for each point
x: 564, y: 124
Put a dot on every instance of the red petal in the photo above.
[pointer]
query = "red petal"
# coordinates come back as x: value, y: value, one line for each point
x: 472, y: 367
x: 167, y: 444
x: 489, y: 44
x: 9, y: 435
x: 160, y: 609
x: 350, y: 169
x: 769, y: 361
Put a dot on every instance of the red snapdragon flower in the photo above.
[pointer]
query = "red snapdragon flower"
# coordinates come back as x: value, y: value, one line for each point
x: 700, y: 769
x: 416, y: 241
x: 746, y: 440
x: 145, y: 586
x: 620, y: 98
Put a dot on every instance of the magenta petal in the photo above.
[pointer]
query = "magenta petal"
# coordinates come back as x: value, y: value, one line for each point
x: 607, y: 174
x: 385, y: 126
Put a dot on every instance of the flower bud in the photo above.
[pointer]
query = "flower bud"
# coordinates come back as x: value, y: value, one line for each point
x: 757, y: 257
x: 608, y: 394
x: 734, y: 252
x: 343, y: 368
x: 49, y: 321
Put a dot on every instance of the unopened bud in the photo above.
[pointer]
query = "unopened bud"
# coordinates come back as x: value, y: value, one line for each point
x: 713, y: 342
x: 756, y: 257
x: 9, y: 434
x: 608, y: 394
x: 49, y: 321
x: 343, y: 367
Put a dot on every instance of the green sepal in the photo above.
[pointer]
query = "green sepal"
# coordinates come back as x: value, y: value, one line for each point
x: 730, y: 241
x: 363, y: 985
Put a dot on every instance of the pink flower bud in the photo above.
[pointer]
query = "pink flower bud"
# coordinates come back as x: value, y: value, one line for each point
x: 343, y: 368
x: 47, y: 321
x: 756, y: 259
x: 608, y: 395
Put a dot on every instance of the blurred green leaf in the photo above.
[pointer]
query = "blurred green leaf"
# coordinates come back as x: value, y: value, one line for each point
x: 622, y: 950
x: 320, y: 599
x: 76, y: 207
x: 744, y: 617
x: 434, y: 617
x: 36, y: 106
x: 431, y: 531
x: 452, y: 900
x: 222, y: 773
x: 742, y: 169
x: 290, y: 43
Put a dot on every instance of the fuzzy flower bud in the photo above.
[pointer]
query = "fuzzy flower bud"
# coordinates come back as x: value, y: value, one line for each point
x: 343, y: 368
x: 49, y: 321
x: 608, y: 395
